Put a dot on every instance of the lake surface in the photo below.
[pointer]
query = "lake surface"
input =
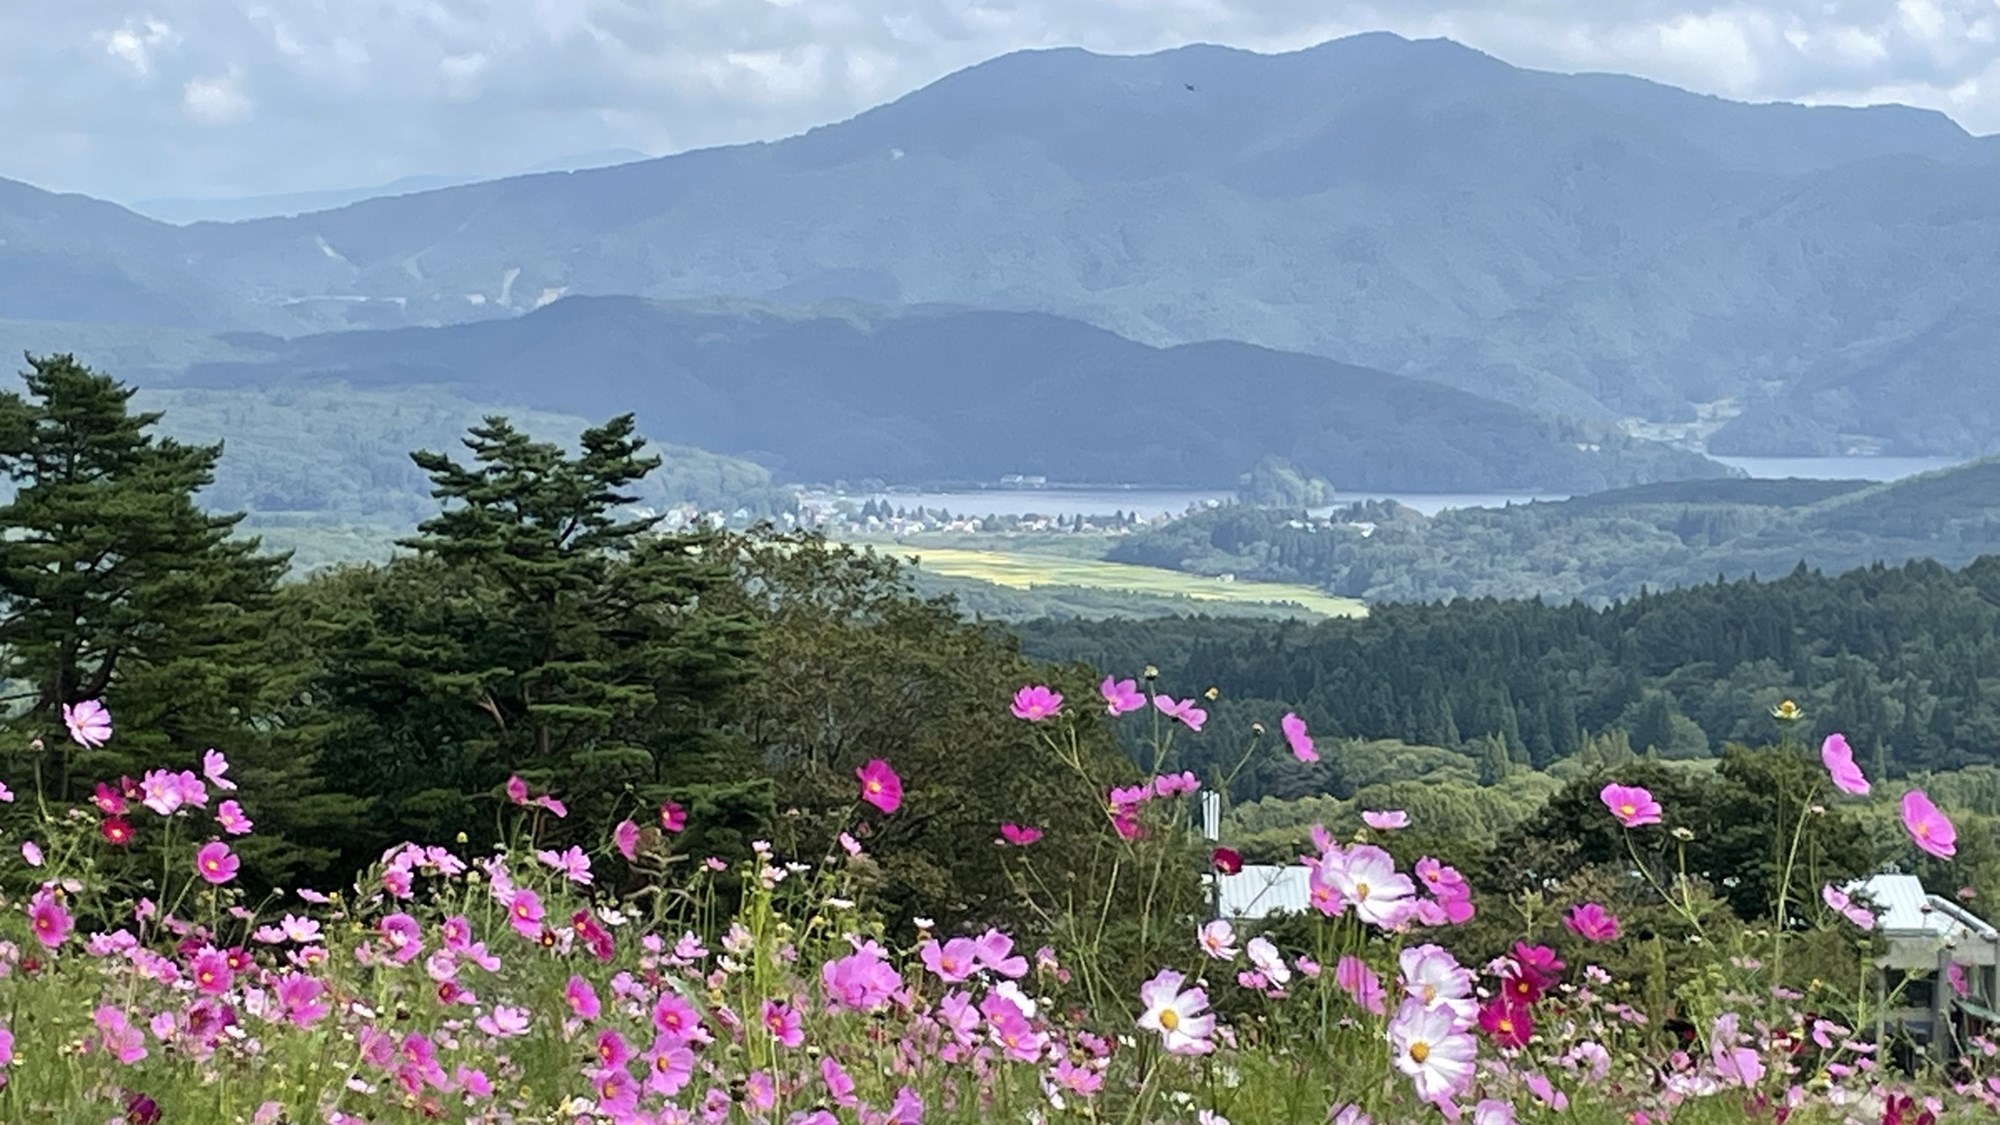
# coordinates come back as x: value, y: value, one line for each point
x: 1150, y: 502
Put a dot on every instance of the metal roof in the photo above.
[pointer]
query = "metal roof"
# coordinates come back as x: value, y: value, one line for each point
x: 1265, y: 890
x: 1902, y: 906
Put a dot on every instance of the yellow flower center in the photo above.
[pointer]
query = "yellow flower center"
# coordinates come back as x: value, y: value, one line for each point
x: 1419, y: 1051
x: 1360, y: 890
x: 1627, y: 809
x: 1170, y: 1019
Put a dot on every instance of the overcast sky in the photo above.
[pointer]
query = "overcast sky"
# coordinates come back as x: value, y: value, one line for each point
x: 227, y: 97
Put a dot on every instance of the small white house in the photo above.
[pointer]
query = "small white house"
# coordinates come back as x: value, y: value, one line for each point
x: 1925, y: 935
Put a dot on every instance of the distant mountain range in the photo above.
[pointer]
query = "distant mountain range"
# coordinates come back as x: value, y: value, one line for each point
x: 229, y: 209
x: 1587, y: 246
x: 942, y: 395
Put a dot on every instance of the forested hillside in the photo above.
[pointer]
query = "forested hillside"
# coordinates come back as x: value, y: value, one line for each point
x: 1904, y: 660
x: 1597, y: 547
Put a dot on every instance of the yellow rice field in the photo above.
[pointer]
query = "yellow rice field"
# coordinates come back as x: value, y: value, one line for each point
x: 1026, y: 571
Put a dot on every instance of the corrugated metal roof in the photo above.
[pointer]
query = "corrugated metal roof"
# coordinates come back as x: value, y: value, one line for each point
x: 1902, y: 906
x: 1264, y: 890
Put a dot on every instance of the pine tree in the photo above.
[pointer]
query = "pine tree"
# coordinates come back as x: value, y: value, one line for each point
x: 116, y: 585
x: 594, y: 664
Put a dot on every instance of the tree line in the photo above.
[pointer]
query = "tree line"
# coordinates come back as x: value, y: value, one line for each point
x: 537, y: 625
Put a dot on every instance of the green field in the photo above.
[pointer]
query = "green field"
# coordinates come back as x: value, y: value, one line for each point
x: 1027, y: 572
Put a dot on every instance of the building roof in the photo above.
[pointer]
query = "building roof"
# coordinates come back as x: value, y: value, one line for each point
x: 1903, y: 908
x: 1264, y: 890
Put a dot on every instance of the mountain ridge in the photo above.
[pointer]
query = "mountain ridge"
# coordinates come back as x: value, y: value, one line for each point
x: 934, y: 393
x: 1591, y: 246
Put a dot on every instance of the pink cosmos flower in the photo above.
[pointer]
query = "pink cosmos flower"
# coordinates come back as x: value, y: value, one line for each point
x: 1838, y: 757
x: 952, y: 961
x: 582, y: 999
x: 1591, y: 922
x: 1037, y: 702
x: 1507, y: 1022
x: 1178, y: 1017
x: 669, y: 1065
x: 861, y: 981
x: 47, y: 917
x: 1121, y: 697
x: 1361, y: 982
x: 524, y: 913
x: 89, y: 723
x: 1631, y: 804
x: 1434, y: 977
x: 1218, y: 940
x: 1185, y: 710
x: 784, y: 1024
x: 517, y: 790
x: 215, y: 863
x: 880, y: 786
x: 625, y: 838
x: 230, y: 816
x: 1431, y: 1050
x: 404, y: 935
x: 574, y: 865
x: 1734, y: 1061
x: 1297, y: 738
x: 1839, y: 900
x: 1019, y: 835
x: 673, y: 818
x: 1386, y: 821
x: 504, y: 1022
x: 6, y: 794
x: 211, y: 972
x: 1366, y: 878
x: 118, y: 1037
x: 31, y: 853
x: 995, y: 950
x: 109, y: 801
x: 214, y: 766
x: 1928, y: 827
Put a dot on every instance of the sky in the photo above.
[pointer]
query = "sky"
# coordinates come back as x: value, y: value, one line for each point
x: 226, y: 98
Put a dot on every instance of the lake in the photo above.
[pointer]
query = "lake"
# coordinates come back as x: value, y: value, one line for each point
x: 1149, y: 502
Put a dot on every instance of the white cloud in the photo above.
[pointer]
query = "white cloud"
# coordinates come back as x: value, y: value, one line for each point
x: 360, y: 91
x: 136, y: 41
x: 217, y: 100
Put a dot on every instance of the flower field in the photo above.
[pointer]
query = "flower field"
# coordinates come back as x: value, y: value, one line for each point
x: 597, y: 974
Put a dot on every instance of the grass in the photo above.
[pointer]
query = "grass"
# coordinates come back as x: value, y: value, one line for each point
x: 1028, y: 572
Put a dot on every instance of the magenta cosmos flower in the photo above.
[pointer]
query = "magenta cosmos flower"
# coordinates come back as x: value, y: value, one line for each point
x: 1121, y: 696
x: 880, y: 786
x: 1037, y: 702
x: 1020, y: 835
x: 1631, y: 804
x: 89, y: 723
x: 215, y: 863
x: 1190, y: 715
x: 1838, y: 757
x: 1927, y: 826
x: 1297, y: 738
x: 1592, y: 922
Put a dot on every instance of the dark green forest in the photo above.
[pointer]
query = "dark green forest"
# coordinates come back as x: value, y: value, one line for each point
x: 540, y: 623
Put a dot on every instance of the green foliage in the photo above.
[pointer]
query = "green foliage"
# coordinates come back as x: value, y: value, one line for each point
x: 115, y: 585
x: 539, y: 629
x: 1902, y: 660
x: 852, y: 666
